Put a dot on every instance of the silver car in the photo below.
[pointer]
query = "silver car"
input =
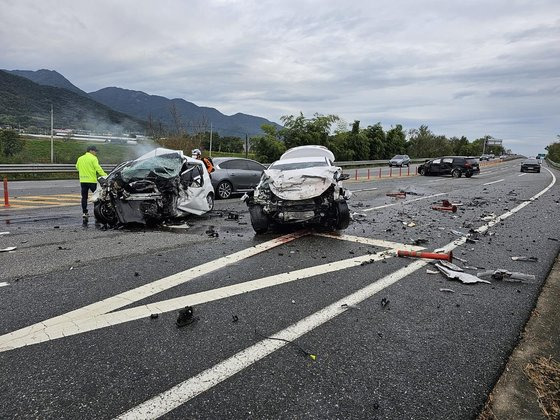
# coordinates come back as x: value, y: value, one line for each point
x: 233, y: 175
x: 400, y: 160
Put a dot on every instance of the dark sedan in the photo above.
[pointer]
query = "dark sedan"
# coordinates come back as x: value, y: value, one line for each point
x: 235, y: 175
x: 530, y: 165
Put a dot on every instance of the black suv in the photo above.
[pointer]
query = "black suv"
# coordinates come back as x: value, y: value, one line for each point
x: 451, y: 165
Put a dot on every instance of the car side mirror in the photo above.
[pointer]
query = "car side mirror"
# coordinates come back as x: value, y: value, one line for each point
x: 343, y: 177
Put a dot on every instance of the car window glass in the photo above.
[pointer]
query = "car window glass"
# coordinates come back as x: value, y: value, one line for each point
x: 447, y: 160
x: 471, y: 161
x: 235, y: 164
x: 254, y: 166
x: 436, y: 161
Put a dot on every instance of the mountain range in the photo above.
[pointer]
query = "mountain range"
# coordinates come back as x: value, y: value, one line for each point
x: 25, y: 98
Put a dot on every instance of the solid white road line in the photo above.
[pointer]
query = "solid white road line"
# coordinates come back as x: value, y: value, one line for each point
x: 494, y: 182
x: 403, y: 202
x: 190, y: 388
x: 363, y: 189
x: 371, y: 241
x: 523, y: 174
x: 37, y: 333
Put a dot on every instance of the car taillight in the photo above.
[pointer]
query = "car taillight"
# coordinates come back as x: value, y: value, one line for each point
x: 468, y: 165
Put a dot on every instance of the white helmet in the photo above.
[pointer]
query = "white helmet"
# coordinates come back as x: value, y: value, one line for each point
x: 196, y: 152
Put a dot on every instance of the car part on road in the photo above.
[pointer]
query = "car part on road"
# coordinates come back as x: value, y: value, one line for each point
x: 446, y: 206
x: 464, y: 278
x: 9, y: 249
x: 505, y: 275
x: 524, y: 258
x: 186, y: 317
x: 293, y: 343
x: 400, y: 194
x: 448, y: 256
x: 303, y: 187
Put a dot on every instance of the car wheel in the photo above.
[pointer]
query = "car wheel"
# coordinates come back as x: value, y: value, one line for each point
x: 104, y: 213
x: 224, y: 190
x: 468, y: 174
x: 210, y: 201
x: 521, y: 170
x: 259, y: 220
x: 342, y: 215
x: 456, y: 173
x: 539, y: 171
x: 421, y: 170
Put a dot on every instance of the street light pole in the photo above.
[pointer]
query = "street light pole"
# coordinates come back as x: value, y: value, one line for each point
x: 52, y: 131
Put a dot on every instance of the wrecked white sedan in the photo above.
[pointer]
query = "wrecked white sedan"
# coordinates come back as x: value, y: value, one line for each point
x: 159, y: 186
x: 303, y: 187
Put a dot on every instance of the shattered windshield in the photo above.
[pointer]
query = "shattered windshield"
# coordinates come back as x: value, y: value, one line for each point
x: 281, y: 166
x: 165, y: 166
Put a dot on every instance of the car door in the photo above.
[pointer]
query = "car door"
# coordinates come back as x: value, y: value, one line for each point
x: 254, y: 172
x: 239, y: 174
x: 446, y: 166
x: 435, y: 167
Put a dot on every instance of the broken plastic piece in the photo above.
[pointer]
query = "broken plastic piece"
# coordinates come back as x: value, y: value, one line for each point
x: 233, y: 216
x: 4, y: 233
x: 384, y: 302
x: 431, y: 271
x: 431, y: 255
x: 451, y: 266
x: 346, y: 305
x: 10, y: 248
x: 464, y: 278
x: 501, y: 274
x: 154, y: 316
x: 186, y: 317
x: 524, y: 258
x: 419, y: 241
x: 447, y: 290
x: 400, y: 194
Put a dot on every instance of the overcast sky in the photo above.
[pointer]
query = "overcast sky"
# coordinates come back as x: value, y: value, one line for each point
x: 461, y: 67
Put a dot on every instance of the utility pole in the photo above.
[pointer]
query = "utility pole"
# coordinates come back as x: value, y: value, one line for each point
x: 52, y: 132
x: 210, y: 139
x: 246, y: 145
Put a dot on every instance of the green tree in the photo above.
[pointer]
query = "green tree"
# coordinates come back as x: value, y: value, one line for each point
x: 460, y: 146
x: 423, y: 143
x: 10, y: 143
x: 299, y: 131
x: 269, y: 147
x: 376, y: 137
x: 358, y: 142
x: 554, y: 151
x: 395, y: 142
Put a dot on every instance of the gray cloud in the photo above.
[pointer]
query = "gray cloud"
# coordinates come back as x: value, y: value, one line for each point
x: 469, y: 68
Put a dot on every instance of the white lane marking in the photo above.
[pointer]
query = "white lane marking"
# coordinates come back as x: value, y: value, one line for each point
x: 185, y: 391
x: 36, y: 333
x: 363, y: 189
x: 190, y: 388
x: 2, y: 284
x: 522, y: 174
x: 404, y: 202
x: 494, y: 182
x: 371, y: 241
x: 437, y: 180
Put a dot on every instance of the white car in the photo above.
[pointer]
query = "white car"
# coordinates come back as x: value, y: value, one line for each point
x: 159, y: 186
x: 302, y: 187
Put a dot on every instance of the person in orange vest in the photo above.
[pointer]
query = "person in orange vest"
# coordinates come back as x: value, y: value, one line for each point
x: 88, y: 167
x: 207, y: 161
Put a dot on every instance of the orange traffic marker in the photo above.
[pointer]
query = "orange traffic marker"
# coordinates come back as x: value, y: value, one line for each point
x: 430, y: 255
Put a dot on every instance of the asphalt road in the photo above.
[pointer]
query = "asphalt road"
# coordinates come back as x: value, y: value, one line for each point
x: 370, y: 335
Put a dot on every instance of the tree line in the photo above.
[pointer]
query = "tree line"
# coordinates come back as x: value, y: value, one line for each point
x: 357, y: 143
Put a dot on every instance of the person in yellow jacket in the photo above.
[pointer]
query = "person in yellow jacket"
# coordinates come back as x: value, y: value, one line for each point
x: 89, y: 169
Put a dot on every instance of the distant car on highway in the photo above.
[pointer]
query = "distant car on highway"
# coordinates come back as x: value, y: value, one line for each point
x: 235, y: 175
x: 530, y: 165
x: 486, y: 157
x: 455, y: 166
x: 400, y: 160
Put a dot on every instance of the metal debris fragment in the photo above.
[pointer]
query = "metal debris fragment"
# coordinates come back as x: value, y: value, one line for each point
x: 464, y: 278
x: 524, y: 258
x: 505, y: 275
x: 447, y: 290
x: 428, y: 271
x: 9, y: 249
x: 451, y: 266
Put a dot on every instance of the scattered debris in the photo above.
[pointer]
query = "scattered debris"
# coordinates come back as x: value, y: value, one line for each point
x: 358, y: 215
x: 234, y: 318
x: 384, y: 302
x: 346, y: 305
x: 451, y: 266
x: 461, y: 259
x: 154, y: 316
x: 409, y: 224
x: 186, y: 317
x: 459, y: 233
x: 501, y: 274
x: 447, y: 290
x: 4, y: 283
x: 293, y: 343
x: 212, y: 233
x: 136, y: 274
x: 464, y: 278
x: 428, y: 271
x: 553, y: 239
x: 524, y: 258
x: 410, y: 192
x: 61, y: 248
x: 4, y: 233
x: 419, y: 241
x: 488, y: 217
x: 430, y: 255
x: 400, y: 194
x: 446, y: 206
x: 9, y: 249
x: 233, y: 215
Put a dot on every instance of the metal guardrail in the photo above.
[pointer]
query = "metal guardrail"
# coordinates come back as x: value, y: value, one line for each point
x: 43, y: 168
x: 552, y: 163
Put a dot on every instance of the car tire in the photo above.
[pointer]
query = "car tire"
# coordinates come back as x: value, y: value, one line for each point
x: 224, y: 190
x: 259, y: 220
x: 422, y: 171
x: 468, y: 174
x: 521, y: 170
x: 456, y: 173
x: 342, y: 215
x: 210, y: 201
x: 104, y: 213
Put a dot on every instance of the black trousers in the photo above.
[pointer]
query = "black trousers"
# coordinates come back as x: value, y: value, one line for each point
x: 86, y: 187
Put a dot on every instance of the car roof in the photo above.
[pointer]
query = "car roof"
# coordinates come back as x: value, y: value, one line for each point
x: 307, y: 152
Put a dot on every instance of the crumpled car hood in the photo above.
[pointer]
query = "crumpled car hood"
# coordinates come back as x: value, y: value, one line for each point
x: 300, y: 184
